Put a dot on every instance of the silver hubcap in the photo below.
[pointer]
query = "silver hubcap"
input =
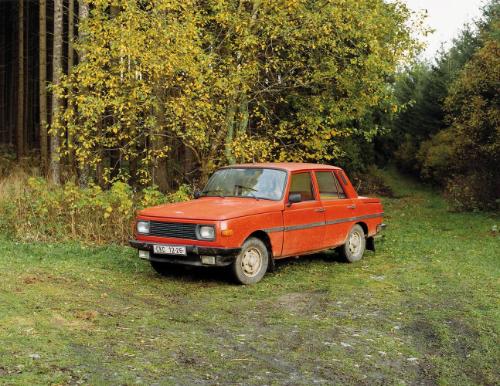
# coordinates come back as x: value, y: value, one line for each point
x: 355, y: 243
x: 251, y: 262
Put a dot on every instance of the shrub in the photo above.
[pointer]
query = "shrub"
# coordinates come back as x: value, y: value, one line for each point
x: 405, y: 156
x: 467, y: 153
x: 372, y: 181
x: 31, y: 209
x: 436, y: 157
x: 473, y: 192
x: 7, y: 162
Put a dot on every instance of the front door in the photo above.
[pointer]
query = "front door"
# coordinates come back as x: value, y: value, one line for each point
x: 339, y: 210
x: 303, y: 221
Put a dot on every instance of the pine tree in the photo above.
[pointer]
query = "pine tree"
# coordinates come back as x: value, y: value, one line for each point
x: 42, y: 52
x: 20, y: 83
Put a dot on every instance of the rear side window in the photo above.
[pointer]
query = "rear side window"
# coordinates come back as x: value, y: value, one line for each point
x: 302, y: 183
x: 344, y: 181
x: 329, y: 187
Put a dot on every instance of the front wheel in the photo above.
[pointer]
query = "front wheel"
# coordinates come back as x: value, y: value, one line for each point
x: 355, y: 246
x: 251, y: 264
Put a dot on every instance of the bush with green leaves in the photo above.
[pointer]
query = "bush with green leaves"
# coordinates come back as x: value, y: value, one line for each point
x: 32, y: 209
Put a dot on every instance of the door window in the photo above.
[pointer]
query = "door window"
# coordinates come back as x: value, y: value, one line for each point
x: 302, y: 183
x: 329, y: 187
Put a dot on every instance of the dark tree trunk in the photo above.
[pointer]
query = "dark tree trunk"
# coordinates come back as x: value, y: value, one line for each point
x: 159, y: 142
x: 20, y: 83
x: 3, y: 78
x: 42, y: 52
x: 160, y: 172
x: 26, y: 91
x: 12, y: 110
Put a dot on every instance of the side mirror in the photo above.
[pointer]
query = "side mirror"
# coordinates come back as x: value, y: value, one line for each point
x: 196, y: 194
x: 294, y: 198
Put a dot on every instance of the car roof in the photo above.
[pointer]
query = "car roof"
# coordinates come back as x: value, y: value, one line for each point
x: 288, y: 166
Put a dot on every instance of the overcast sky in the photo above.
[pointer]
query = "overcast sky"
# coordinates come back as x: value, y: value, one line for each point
x: 446, y: 17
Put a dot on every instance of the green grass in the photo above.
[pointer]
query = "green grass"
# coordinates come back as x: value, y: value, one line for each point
x: 423, y: 309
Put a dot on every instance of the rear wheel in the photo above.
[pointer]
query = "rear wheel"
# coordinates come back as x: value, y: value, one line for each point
x: 355, y: 246
x: 252, y: 262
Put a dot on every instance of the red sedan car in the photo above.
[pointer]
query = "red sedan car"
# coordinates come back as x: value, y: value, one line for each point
x: 250, y: 215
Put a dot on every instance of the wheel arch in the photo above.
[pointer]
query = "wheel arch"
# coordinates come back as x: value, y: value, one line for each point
x: 264, y: 237
x: 370, y: 241
x: 364, y: 226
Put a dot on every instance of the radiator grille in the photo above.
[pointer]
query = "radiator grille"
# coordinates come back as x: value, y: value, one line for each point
x: 173, y: 229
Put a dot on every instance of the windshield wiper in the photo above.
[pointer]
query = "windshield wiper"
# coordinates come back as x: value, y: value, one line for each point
x: 248, y: 188
x: 214, y: 191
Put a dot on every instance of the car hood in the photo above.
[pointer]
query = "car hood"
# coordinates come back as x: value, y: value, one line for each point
x: 212, y: 208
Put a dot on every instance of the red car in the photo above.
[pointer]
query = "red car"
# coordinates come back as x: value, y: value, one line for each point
x: 250, y: 215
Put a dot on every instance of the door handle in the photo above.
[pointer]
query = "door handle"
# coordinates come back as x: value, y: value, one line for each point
x: 319, y: 210
x: 351, y: 207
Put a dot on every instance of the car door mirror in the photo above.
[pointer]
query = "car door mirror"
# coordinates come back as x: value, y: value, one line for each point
x: 294, y: 198
x: 196, y: 194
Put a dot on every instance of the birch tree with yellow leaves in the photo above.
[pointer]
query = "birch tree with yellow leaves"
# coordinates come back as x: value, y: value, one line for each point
x: 170, y: 83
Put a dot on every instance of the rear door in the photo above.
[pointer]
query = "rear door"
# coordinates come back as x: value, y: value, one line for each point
x: 303, y: 221
x: 338, y: 208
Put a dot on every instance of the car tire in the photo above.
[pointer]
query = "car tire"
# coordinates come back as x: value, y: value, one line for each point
x: 252, y: 262
x: 355, y: 245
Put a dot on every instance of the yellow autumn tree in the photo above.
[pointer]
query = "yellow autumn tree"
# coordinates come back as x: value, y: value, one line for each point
x: 216, y: 81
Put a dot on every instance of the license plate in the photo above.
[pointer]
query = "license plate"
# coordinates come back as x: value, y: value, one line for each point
x: 169, y: 250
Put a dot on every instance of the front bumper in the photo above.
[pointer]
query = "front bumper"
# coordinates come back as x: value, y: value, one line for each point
x: 223, y: 256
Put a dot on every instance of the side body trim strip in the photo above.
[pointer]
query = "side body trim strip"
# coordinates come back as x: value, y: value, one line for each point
x: 349, y: 219
x: 319, y: 224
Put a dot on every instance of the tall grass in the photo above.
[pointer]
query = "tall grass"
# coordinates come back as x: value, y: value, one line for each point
x: 32, y: 209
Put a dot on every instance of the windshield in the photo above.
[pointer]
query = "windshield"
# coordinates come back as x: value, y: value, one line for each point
x: 247, y: 182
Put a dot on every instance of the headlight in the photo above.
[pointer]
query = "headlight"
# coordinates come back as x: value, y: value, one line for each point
x: 206, y: 232
x: 143, y: 227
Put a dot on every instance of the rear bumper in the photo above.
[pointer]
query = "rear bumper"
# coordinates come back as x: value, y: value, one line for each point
x: 380, y: 228
x: 370, y: 241
x: 222, y: 256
